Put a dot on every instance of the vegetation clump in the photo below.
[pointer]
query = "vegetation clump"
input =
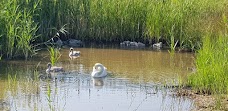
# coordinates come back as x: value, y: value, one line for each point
x: 177, y: 23
x: 211, y: 64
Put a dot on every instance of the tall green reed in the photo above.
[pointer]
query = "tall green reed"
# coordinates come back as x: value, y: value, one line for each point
x: 173, y: 44
x: 27, y: 35
x: 211, y: 64
x: 49, y: 97
x: 18, y: 29
x: 54, y: 55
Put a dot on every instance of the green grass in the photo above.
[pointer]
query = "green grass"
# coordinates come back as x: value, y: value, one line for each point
x: 17, y: 29
x: 211, y: 65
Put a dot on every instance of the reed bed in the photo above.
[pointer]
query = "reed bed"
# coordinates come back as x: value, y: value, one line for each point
x: 177, y: 23
x: 17, y: 29
x: 211, y: 63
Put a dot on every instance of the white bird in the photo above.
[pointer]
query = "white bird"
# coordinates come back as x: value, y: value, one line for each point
x: 157, y: 45
x: 99, y: 70
x: 53, y: 69
x: 73, y: 53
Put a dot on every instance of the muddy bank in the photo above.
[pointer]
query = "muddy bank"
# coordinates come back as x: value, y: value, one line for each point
x: 204, y: 102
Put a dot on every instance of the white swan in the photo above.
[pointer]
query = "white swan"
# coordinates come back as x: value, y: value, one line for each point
x: 73, y: 53
x: 99, y: 70
x: 53, y: 69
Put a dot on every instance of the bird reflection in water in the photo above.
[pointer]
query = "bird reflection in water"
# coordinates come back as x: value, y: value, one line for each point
x: 98, y: 82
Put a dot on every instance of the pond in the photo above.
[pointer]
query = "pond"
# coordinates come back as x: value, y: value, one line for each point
x: 135, y: 81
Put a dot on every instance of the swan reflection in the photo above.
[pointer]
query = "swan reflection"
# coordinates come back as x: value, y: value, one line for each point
x: 98, y: 82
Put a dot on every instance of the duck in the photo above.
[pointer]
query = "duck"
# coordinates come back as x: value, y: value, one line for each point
x: 99, y: 71
x: 53, y: 69
x: 73, y: 53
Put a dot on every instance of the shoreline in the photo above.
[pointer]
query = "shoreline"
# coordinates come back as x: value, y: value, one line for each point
x: 204, y: 102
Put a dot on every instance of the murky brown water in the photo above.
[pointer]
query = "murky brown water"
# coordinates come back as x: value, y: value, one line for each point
x: 134, y: 82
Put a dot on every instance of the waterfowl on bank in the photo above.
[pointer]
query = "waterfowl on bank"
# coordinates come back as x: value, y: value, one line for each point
x: 157, y: 45
x: 132, y: 44
x: 73, y: 53
x: 53, y: 69
x: 74, y: 43
x: 99, y: 70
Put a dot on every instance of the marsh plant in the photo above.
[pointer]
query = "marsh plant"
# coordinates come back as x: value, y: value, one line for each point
x: 185, y: 21
x: 211, y: 64
x: 49, y: 98
x: 54, y: 55
x: 17, y: 28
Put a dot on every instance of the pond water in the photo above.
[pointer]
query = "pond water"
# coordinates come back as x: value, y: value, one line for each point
x: 134, y: 82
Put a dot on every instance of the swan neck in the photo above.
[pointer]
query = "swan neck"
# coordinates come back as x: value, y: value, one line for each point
x: 48, y: 69
x: 99, y: 70
x: 101, y: 66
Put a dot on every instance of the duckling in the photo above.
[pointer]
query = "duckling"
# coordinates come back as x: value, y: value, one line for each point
x: 73, y: 53
x: 53, y: 69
